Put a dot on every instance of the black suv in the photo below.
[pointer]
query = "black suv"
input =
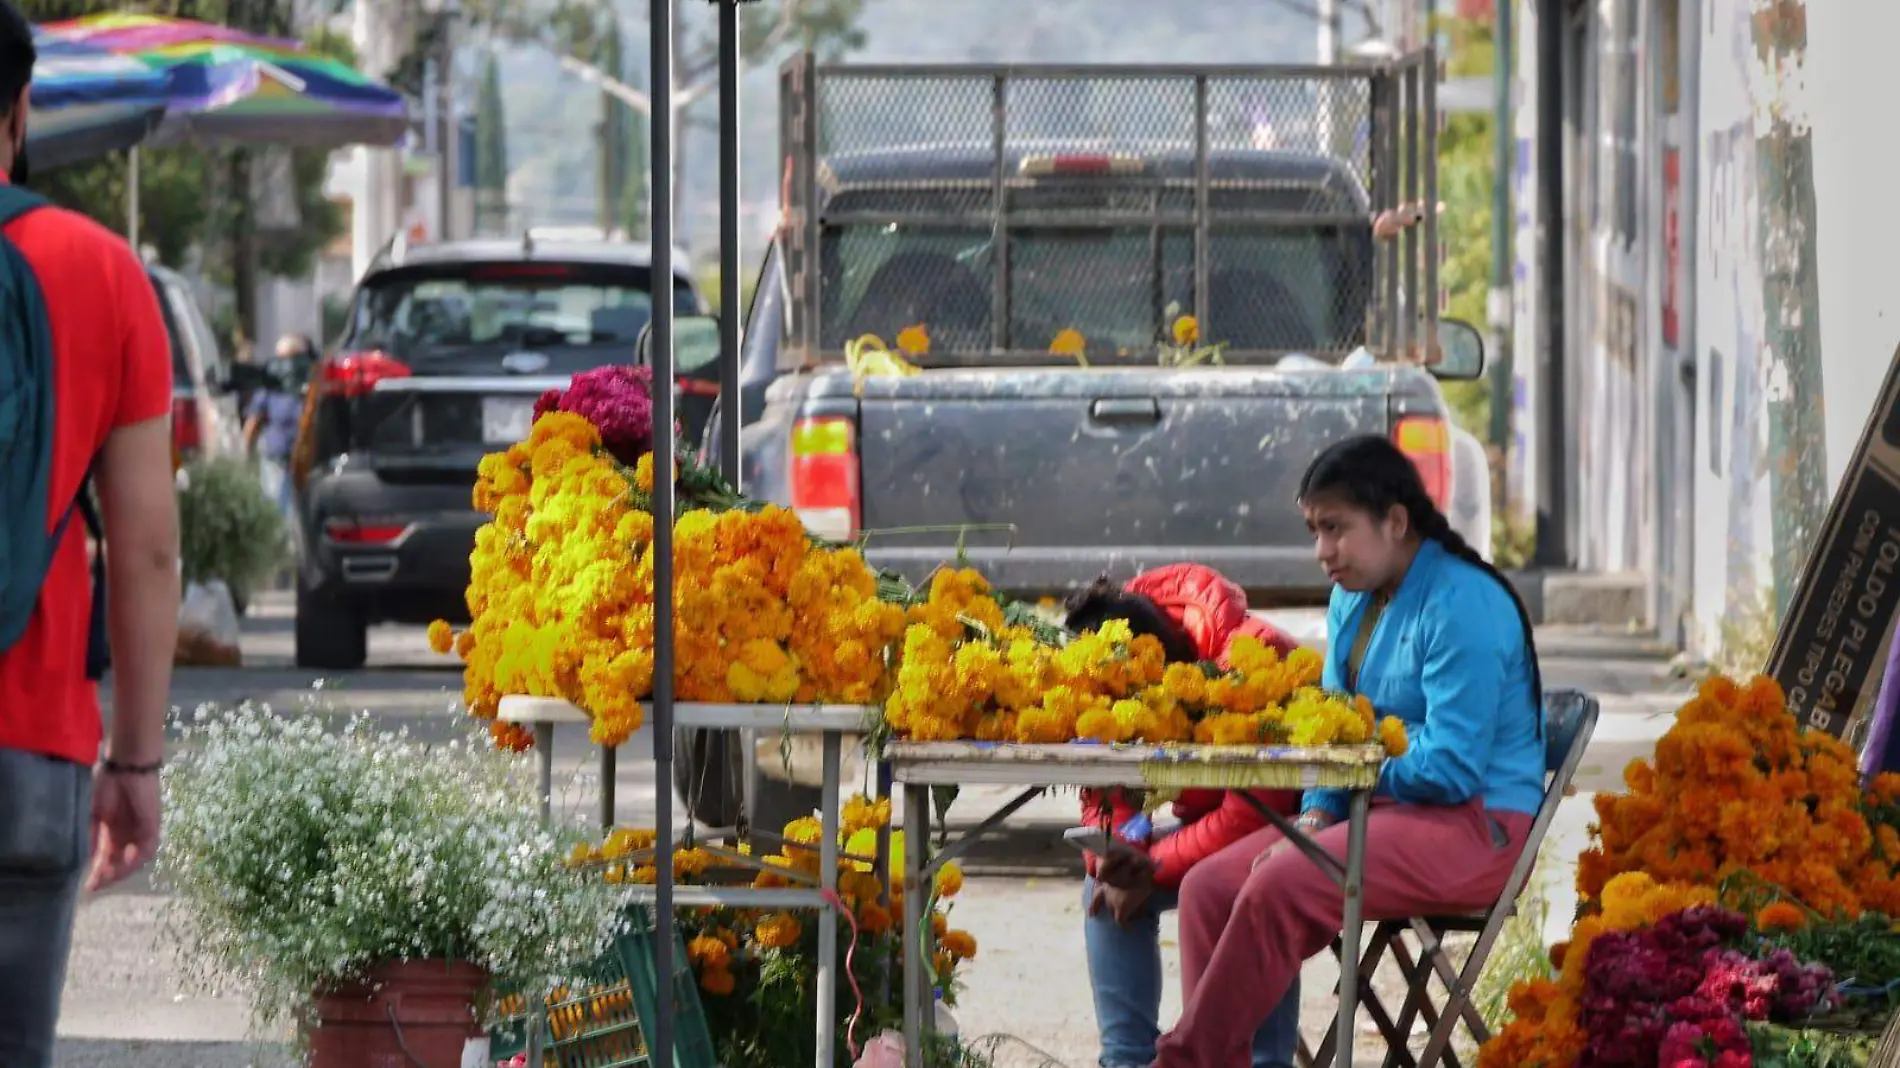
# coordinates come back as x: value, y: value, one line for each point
x: 446, y: 350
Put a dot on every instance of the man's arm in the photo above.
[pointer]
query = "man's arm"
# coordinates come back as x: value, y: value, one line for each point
x: 141, y: 521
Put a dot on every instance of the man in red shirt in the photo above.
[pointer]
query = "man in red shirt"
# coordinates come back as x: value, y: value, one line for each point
x: 68, y: 793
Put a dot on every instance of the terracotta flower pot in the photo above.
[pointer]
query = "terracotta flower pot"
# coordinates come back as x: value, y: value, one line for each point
x: 409, y: 1014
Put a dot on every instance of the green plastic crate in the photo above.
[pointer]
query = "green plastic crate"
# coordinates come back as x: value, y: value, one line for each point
x: 605, y: 1024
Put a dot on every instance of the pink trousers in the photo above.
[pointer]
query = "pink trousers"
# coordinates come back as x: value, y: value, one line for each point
x: 1245, y: 931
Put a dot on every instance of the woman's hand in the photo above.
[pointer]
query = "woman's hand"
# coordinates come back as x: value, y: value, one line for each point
x: 1123, y: 883
x: 1311, y: 822
x: 1125, y: 869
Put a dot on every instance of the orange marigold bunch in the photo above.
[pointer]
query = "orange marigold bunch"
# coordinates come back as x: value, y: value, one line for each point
x: 1737, y: 787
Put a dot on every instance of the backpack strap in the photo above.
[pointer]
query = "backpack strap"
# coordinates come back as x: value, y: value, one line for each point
x: 15, y: 202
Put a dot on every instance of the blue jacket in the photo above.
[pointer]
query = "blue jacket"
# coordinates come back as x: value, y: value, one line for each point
x: 1448, y: 658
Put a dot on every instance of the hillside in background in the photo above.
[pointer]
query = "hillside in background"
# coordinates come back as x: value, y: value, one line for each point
x: 551, y: 115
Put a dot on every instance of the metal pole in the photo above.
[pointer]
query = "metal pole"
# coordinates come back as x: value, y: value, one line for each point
x: 1411, y: 111
x: 1552, y: 521
x: 1352, y: 924
x: 445, y: 136
x: 1503, y: 137
x: 827, y: 992
x: 1203, y: 211
x: 660, y: 66
x: 730, y: 313
x: 1428, y: 179
x: 609, y: 776
x: 917, y: 999
x: 132, y: 198
x: 999, y: 209
x: 1689, y: 178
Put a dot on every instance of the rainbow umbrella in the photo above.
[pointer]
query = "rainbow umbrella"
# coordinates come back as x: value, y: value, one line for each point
x: 87, y: 102
x: 227, y: 86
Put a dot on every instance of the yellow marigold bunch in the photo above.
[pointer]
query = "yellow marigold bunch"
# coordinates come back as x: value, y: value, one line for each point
x: 1737, y: 786
x: 561, y: 594
x: 963, y: 674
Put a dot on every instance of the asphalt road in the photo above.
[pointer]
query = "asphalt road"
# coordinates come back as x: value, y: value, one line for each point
x: 128, y: 1001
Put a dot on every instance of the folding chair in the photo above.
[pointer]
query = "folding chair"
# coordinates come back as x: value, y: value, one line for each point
x: 1570, y: 718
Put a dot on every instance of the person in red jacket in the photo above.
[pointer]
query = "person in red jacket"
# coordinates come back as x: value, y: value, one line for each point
x: 1196, y: 613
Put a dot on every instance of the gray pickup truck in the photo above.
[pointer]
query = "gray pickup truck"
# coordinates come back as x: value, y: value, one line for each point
x: 1002, y: 208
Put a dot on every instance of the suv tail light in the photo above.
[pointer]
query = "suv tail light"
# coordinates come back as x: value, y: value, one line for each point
x: 363, y: 532
x: 187, y: 431
x: 825, y: 477
x: 352, y: 374
x: 1426, y: 439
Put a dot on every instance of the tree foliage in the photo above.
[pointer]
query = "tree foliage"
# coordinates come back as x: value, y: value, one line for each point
x: 491, y: 151
x: 1466, y: 186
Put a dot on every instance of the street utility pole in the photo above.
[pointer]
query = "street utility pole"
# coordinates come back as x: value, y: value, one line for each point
x: 1503, y: 137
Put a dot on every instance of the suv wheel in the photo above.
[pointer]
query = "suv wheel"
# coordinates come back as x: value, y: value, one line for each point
x: 330, y: 633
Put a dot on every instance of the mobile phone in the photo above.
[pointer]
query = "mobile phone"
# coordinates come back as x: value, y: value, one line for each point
x: 1095, y: 840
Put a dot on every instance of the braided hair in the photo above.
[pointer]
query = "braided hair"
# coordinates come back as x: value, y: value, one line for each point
x: 1371, y: 474
x: 1102, y: 600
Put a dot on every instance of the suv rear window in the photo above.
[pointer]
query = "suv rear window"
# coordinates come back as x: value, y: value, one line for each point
x: 542, y: 305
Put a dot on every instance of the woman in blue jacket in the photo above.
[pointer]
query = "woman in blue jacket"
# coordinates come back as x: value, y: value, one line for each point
x: 1432, y: 634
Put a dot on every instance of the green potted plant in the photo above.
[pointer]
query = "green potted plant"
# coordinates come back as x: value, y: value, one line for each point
x: 229, y: 530
x: 363, y: 885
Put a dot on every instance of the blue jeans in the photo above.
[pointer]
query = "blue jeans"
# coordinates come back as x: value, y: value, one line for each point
x: 45, y: 838
x: 1125, y: 972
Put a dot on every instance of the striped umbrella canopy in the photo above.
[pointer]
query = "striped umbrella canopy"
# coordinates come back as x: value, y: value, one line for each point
x: 87, y: 102
x: 227, y: 86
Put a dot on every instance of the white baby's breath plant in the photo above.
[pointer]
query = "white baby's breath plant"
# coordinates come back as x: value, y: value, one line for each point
x: 301, y: 857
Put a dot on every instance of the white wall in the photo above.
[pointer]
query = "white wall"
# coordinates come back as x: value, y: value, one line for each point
x: 1851, y: 111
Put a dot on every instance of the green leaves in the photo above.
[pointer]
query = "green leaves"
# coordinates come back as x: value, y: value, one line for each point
x: 228, y: 528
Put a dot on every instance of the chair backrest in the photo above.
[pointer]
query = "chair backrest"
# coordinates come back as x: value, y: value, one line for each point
x: 1570, y: 717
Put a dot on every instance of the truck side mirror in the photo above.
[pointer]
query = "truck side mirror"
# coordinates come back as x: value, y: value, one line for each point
x: 1459, y: 355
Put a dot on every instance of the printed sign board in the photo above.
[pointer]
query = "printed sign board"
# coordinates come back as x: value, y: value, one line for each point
x: 1832, y: 647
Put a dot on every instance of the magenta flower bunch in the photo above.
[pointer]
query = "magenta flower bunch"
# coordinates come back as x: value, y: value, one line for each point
x: 617, y: 399
x: 1678, y: 993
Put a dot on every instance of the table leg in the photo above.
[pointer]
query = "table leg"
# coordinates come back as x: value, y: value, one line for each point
x: 544, y: 763
x: 881, y: 867
x: 916, y: 841
x: 749, y: 783
x: 609, y: 772
x: 1351, y: 925
x: 544, y: 751
x: 827, y: 914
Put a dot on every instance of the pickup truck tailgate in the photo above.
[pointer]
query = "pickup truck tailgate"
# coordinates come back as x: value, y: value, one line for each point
x: 1156, y: 462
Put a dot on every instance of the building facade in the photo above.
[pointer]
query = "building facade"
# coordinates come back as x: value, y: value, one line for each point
x: 1728, y: 314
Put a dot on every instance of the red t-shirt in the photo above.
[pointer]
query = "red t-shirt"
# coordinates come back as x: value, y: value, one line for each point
x: 111, y: 368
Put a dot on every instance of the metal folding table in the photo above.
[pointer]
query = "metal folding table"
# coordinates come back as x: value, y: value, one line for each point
x: 919, y: 766
x: 832, y: 723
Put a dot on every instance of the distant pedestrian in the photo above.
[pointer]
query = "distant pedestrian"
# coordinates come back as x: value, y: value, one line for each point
x: 270, y: 430
x: 298, y: 355
x: 88, y: 366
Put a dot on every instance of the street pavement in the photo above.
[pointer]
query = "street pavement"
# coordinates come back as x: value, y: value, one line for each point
x: 128, y: 1002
